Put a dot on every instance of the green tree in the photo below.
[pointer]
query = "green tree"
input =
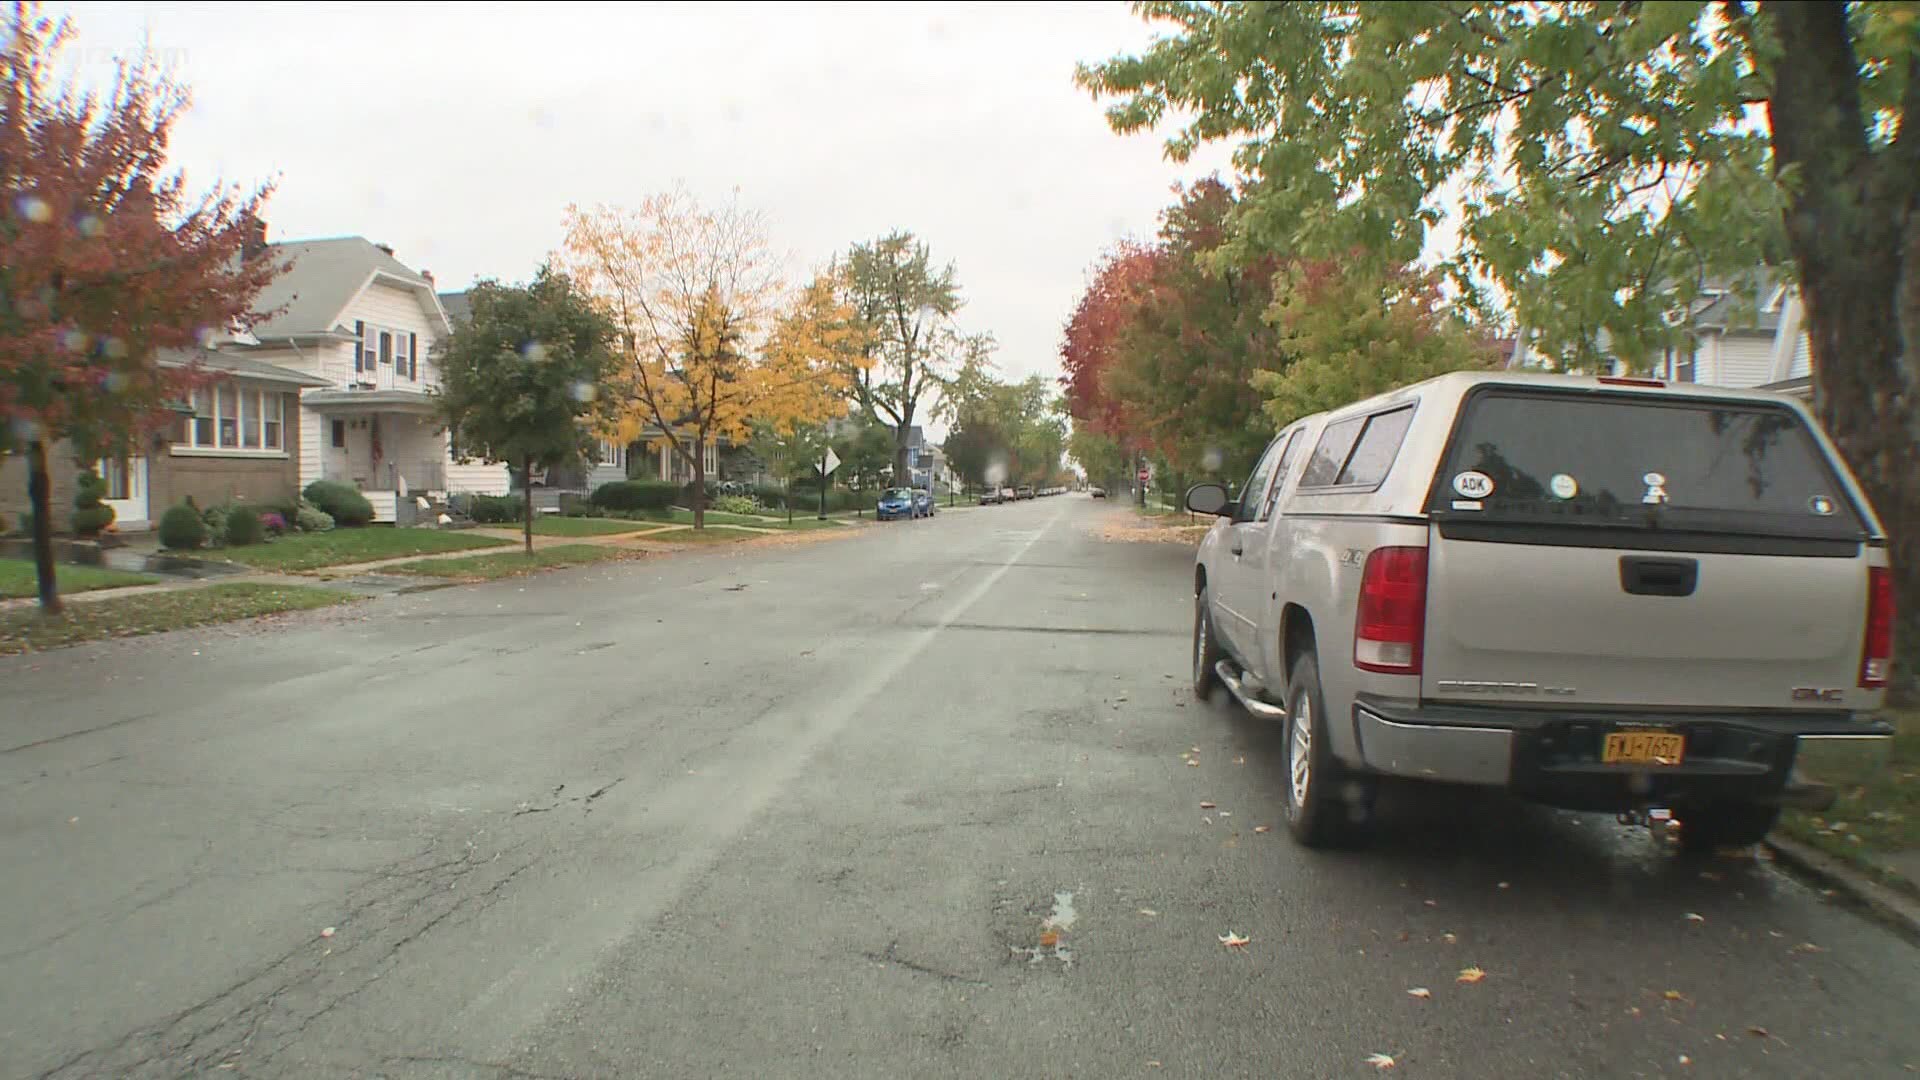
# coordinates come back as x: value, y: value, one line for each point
x: 788, y: 451
x: 1599, y: 161
x: 1353, y: 335
x: 865, y: 448
x: 910, y: 352
x: 521, y: 379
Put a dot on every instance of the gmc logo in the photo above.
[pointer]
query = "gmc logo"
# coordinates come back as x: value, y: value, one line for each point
x: 1814, y: 693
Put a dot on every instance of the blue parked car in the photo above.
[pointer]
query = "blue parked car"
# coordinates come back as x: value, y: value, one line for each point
x: 896, y: 503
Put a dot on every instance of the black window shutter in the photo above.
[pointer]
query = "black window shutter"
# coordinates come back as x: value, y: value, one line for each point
x: 359, y: 342
x: 413, y: 357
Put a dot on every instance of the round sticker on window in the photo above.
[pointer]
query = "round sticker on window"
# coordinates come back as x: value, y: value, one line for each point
x: 1563, y: 486
x: 1473, y: 485
x: 1821, y: 505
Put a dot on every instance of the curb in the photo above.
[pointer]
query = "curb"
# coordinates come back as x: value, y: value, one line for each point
x: 1898, y: 911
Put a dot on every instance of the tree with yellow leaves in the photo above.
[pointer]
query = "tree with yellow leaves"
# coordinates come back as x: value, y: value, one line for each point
x: 708, y: 337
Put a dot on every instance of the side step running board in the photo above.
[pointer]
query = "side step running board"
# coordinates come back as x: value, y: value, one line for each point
x: 1262, y: 709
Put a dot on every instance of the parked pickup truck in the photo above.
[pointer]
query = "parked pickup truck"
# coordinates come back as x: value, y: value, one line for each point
x: 1602, y: 594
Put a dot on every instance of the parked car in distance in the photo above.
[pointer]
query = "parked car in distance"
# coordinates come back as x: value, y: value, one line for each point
x: 1008, y: 495
x: 1602, y: 594
x: 989, y: 497
x: 923, y: 504
x: 1026, y: 493
x: 1098, y: 493
x: 895, y: 503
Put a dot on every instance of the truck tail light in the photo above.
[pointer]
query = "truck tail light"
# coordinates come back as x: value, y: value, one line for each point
x: 1392, y: 619
x: 1876, y: 658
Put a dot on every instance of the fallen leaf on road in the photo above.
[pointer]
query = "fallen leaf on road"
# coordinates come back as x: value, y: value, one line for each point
x: 1404, y: 936
x: 73, y: 821
x: 1674, y: 995
x: 1193, y: 763
x: 1241, y: 760
x: 1208, y: 820
x: 1685, y: 1060
x: 1149, y: 912
x: 1153, y: 1064
x: 1506, y: 885
x: 1775, y: 934
x: 327, y: 933
x: 1234, y: 941
x: 1206, y: 806
x: 1470, y: 975
x: 1633, y: 1011
x: 1449, y: 938
x: 1757, y: 1031
x: 1694, y: 916
x: 1380, y: 1061
x: 1049, y: 938
x: 1195, y: 750
x: 1807, y: 947
x: 1420, y: 992
x: 1708, y: 875
x: 1263, y: 828
x: 1431, y: 903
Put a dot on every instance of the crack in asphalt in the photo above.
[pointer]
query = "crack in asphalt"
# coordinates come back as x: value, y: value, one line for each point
x: 64, y: 736
x: 271, y: 1006
x: 892, y: 956
x: 585, y: 801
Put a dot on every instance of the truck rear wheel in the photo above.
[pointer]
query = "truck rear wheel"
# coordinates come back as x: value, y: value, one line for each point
x: 1708, y: 826
x: 1327, y: 806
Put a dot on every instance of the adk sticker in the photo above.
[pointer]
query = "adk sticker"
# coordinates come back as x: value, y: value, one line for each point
x: 1563, y: 486
x: 1656, y: 489
x: 1821, y: 505
x: 1473, y: 485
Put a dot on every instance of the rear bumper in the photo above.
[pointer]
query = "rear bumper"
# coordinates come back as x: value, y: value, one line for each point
x: 1554, y: 756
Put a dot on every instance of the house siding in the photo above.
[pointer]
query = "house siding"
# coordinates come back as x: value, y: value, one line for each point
x: 394, y: 309
x: 1802, y: 366
x: 1745, y: 360
x: 62, y: 470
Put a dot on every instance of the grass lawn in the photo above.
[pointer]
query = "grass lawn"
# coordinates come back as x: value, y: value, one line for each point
x: 309, y: 551
x: 511, y: 563
x: 151, y: 613
x: 17, y: 578
x: 712, y: 534
x: 566, y: 526
x: 801, y: 523
x: 1878, y: 811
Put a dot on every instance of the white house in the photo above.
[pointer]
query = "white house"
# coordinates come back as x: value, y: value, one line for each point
x: 348, y: 312
x: 1747, y: 333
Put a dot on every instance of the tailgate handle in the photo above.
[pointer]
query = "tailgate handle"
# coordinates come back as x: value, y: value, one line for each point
x: 1644, y: 576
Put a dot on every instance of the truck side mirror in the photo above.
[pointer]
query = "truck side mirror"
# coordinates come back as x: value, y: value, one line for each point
x: 1209, y: 499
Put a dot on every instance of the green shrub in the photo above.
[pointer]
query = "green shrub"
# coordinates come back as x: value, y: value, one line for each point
x: 579, y: 507
x: 346, y: 506
x: 496, y: 509
x: 635, y: 495
x: 90, y: 514
x: 736, y: 504
x: 311, y: 518
x: 181, y: 528
x: 215, y: 519
x: 243, y: 526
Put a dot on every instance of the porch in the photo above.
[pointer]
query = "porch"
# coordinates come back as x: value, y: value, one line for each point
x: 387, y: 444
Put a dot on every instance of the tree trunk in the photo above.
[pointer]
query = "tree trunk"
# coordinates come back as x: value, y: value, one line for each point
x: 40, y: 495
x: 1854, y: 227
x: 699, y: 496
x: 526, y: 470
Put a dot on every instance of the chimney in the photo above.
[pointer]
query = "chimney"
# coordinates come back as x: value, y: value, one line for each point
x: 428, y: 274
x: 388, y: 248
x: 255, y: 241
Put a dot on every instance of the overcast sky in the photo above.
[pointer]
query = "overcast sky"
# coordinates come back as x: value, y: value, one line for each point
x: 458, y: 132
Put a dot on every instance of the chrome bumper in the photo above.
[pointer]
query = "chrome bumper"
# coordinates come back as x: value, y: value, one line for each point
x: 1457, y: 754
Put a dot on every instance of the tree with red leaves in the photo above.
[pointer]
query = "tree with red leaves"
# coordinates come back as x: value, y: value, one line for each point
x: 104, y: 260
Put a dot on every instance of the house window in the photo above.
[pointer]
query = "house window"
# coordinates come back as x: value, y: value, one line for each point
x: 203, y: 420
x: 339, y: 434
x: 228, y: 400
x: 614, y: 454
x: 386, y: 347
x: 400, y: 355
x: 229, y: 418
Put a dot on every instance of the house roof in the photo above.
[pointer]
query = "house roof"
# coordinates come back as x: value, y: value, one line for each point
x: 321, y: 279
x: 459, y: 308
x: 239, y: 367
x: 386, y: 401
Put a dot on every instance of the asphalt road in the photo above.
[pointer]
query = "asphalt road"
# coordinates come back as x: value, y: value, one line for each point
x: 807, y: 811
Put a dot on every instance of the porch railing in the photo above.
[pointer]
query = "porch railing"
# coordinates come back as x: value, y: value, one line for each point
x: 419, y: 476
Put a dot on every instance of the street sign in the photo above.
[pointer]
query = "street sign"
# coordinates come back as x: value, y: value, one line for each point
x: 1143, y: 476
x: 832, y: 462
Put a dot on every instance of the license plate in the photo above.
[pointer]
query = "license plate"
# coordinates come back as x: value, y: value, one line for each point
x: 1643, y: 748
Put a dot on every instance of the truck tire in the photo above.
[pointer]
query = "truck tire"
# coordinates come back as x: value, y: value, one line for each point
x: 1326, y: 805
x: 1206, y: 649
x: 1707, y: 827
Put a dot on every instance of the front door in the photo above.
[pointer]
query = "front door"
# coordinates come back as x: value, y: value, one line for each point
x: 126, y: 480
